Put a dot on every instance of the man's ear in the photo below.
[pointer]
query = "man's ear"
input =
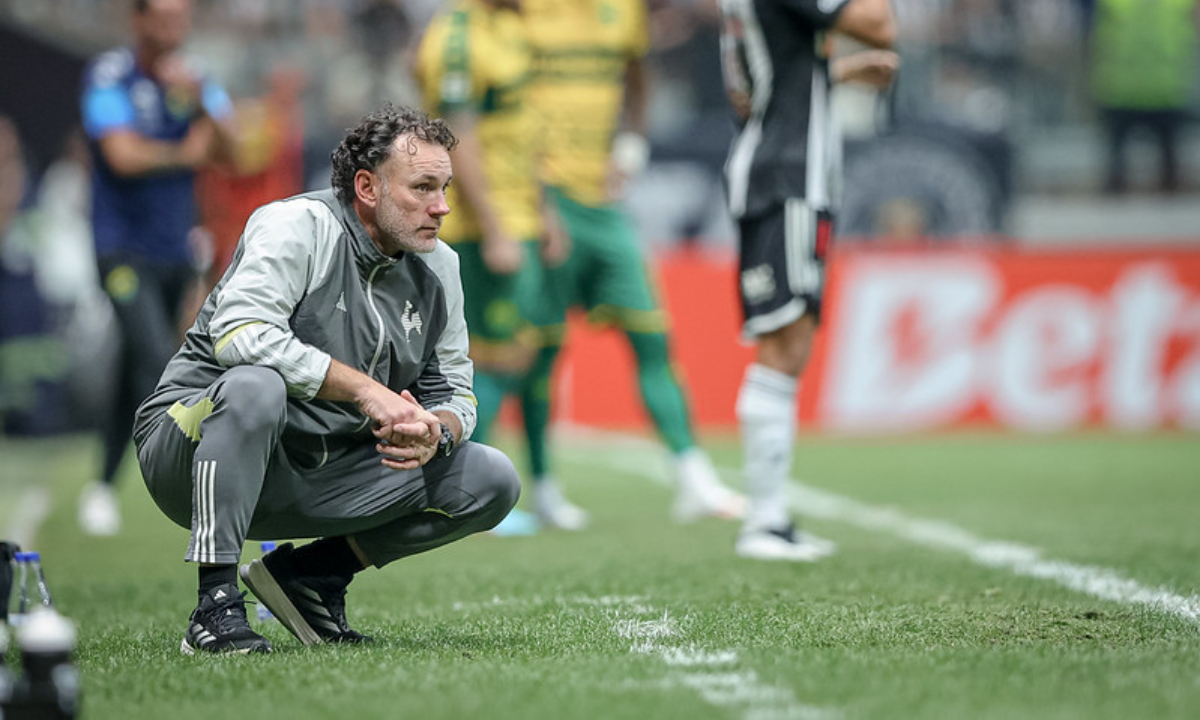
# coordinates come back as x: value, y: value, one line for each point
x: 366, y: 187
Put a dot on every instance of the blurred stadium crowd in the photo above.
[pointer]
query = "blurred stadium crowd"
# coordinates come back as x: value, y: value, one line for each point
x: 1012, y: 76
x: 994, y: 110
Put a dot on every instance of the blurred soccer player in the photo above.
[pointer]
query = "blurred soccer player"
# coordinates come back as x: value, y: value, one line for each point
x: 781, y: 182
x: 1144, y: 59
x: 151, y: 119
x: 473, y: 67
x: 588, y: 60
x: 325, y: 391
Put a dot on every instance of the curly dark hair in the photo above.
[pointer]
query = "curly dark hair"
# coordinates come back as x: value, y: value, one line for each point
x: 368, y: 145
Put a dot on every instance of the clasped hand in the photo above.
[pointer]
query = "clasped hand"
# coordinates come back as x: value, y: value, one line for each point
x: 408, y: 433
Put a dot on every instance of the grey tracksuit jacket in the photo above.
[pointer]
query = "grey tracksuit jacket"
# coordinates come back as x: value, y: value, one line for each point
x: 306, y: 285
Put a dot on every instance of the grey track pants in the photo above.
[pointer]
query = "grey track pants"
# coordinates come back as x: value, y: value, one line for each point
x: 228, y: 479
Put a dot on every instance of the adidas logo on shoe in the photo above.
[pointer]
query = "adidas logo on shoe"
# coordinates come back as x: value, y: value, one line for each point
x: 219, y: 625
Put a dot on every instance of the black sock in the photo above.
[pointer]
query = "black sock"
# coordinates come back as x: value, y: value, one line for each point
x: 327, y: 556
x: 213, y: 575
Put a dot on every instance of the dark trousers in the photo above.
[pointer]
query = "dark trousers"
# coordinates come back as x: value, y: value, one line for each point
x: 147, y: 300
x: 214, y: 463
x: 1163, y: 125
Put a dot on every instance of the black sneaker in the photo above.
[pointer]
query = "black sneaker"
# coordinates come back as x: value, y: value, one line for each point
x: 218, y: 625
x: 312, y: 608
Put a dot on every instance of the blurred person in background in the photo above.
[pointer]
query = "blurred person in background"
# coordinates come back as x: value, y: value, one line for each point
x: 151, y: 120
x: 782, y: 179
x: 473, y: 67
x: 387, y: 34
x: 33, y: 361
x: 1144, y: 56
x: 267, y: 164
x: 325, y: 391
x: 590, y: 95
x: 67, y: 262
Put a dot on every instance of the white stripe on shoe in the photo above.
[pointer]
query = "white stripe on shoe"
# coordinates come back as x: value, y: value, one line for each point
x: 264, y: 586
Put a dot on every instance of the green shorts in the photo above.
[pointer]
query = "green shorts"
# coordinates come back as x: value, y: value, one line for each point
x: 605, y: 274
x: 498, y: 308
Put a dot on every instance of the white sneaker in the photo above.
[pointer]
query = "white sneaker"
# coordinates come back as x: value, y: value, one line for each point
x: 99, y: 513
x: 784, y: 543
x: 554, y: 510
x: 701, y: 492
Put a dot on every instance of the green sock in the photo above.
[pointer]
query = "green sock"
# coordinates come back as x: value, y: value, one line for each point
x: 661, y: 392
x: 490, y: 389
x: 535, y: 409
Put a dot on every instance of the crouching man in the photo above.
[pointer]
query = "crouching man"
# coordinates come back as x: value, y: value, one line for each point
x: 324, y: 391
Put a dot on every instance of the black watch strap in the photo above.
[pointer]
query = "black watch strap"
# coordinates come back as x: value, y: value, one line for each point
x: 446, y: 442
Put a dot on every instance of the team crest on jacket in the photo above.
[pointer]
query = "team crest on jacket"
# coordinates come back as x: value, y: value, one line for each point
x: 410, y: 320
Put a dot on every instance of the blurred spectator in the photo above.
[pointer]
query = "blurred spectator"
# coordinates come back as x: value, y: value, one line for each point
x: 64, y: 196
x: 1007, y: 77
x: 32, y: 359
x: 268, y: 164
x: 66, y: 263
x: 1144, y: 57
x: 386, y: 35
x: 902, y: 222
x: 151, y: 119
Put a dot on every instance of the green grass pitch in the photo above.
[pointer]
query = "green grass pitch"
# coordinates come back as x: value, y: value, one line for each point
x: 978, y: 576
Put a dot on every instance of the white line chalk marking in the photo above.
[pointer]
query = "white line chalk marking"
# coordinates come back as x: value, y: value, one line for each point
x: 713, y: 674
x: 1017, y: 558
x: 1020, y: 559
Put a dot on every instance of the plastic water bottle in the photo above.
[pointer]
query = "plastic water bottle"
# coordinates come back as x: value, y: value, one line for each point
x: 20, y: 591
x: 261, y: 610
x: 48, y: 688
x: 38, y: 576
x: 32, y: 591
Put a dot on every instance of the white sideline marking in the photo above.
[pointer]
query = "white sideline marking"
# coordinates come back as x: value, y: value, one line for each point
x: 26, y: 516
x: 1019, y: 559
x: 713, y: 675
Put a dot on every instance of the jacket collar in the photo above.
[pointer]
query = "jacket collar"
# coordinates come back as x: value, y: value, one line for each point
x: 367, y: 255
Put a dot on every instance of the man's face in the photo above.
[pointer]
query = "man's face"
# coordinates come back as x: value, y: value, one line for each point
x: 412, y: 199
x: 164, y: 26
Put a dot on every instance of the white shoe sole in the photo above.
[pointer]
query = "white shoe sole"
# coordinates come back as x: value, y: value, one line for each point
x: 262, y: 583
x: 186, y: 648
x: 764, y: 546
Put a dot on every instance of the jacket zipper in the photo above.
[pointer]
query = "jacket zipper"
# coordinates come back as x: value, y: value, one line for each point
x: 379, y: 323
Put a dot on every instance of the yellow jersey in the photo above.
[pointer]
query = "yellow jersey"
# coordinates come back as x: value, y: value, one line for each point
x: 581, y: 49
x: 474, y: 58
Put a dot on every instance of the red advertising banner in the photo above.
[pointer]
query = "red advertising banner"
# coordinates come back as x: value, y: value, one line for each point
x: 1037, y: 340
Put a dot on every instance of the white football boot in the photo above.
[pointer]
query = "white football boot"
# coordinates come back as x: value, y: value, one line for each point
x: 99, y: 513
x: 700, y: 490
x: 783, y: 543
x: 554, y: 510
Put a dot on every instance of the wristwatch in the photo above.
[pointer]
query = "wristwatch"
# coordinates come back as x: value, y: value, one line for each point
x: 445, y: 444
